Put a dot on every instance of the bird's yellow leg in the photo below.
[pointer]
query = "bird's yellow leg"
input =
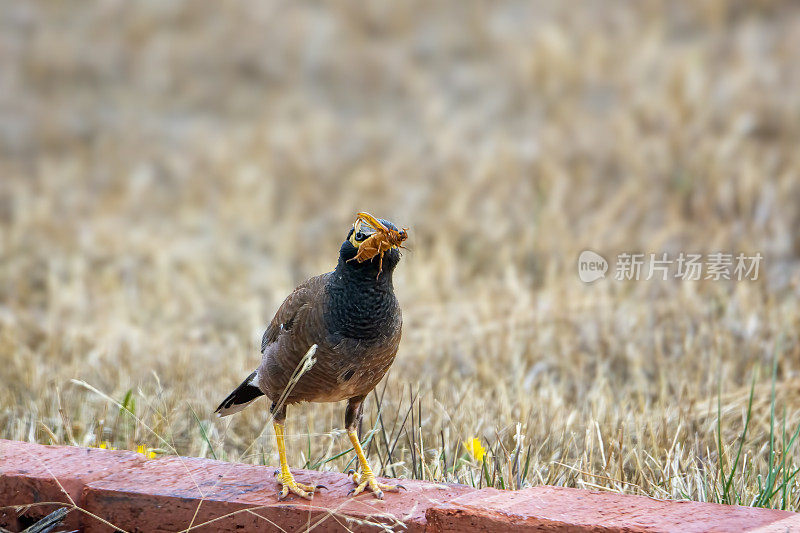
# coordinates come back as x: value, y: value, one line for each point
x: 367, y: 478
x: 288, y: 484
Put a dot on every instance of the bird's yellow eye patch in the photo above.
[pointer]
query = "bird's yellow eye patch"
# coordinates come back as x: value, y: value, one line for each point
x: 361, y: 232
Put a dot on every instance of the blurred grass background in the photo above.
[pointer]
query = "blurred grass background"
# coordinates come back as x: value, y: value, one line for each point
x: 169, y: 171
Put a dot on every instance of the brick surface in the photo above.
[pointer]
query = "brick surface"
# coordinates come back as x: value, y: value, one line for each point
x: 573, y: 510
x: 33, y: 473
x: 174, y: 493
x: 787, y: 525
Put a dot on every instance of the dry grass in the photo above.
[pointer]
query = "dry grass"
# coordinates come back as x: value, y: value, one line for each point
x: 169, y: 173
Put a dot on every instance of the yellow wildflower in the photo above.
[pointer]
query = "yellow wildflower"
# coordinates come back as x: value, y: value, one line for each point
x: 147, y: 452
x: 475, y: 448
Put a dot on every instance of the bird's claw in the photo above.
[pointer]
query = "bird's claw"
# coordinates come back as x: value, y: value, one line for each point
x: 370, y: 482
x: 288, y: 484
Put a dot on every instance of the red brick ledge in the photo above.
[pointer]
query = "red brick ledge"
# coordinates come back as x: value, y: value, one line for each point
x: 121, y: 490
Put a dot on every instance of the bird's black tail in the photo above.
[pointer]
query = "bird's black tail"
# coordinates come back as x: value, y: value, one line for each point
x: 240, y: 397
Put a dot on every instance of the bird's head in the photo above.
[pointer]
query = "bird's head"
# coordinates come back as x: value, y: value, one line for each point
x: 372, y: 245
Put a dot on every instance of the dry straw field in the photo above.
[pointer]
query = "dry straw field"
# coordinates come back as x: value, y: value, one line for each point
x: 170, y: 171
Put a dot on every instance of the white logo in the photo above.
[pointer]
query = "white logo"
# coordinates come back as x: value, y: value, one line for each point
x: 591, y: 266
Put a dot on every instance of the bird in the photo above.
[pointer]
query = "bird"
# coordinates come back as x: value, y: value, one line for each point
x: 333, y: 338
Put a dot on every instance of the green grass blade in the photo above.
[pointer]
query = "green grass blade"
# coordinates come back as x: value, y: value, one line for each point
x: 203, y: 433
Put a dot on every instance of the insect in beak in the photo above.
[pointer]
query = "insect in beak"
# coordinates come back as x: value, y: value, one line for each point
x: 372, y: 221
x: 381, y: 241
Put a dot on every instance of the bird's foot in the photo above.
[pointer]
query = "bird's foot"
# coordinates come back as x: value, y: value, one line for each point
x: 288, y: 484
x: 368, y: 481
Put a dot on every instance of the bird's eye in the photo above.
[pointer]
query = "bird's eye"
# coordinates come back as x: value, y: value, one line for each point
x: 360, y: 236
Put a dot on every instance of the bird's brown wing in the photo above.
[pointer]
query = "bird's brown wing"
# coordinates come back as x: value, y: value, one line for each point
x: 297, y: 325
x: 308, y: 292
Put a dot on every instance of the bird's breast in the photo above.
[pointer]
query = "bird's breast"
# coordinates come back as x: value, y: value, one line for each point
x: 368, y: 314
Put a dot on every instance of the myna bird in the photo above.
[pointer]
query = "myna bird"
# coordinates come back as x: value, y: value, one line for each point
x: 353, y: 319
